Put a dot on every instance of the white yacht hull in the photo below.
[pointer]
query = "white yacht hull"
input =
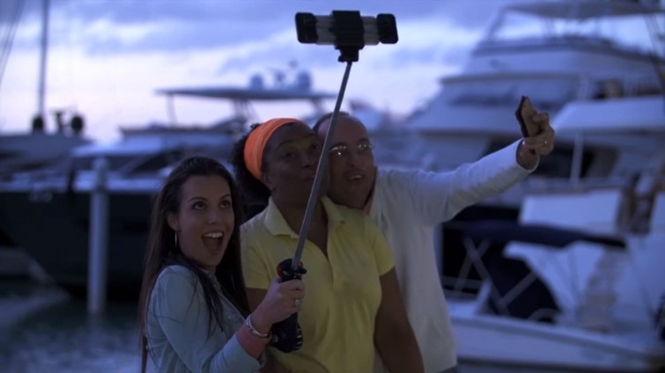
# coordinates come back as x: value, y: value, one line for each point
x: 504, y: 341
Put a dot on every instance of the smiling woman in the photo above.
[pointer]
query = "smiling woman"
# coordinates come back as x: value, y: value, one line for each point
x: 205, y: 221
x: 354, y: 301
x: 193, y: 303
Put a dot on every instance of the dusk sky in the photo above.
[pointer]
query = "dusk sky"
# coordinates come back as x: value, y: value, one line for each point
x: 107, y: 58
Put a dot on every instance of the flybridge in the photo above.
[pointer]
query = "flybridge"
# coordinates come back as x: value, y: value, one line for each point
x: 298, y: 89
x: 588, y: 21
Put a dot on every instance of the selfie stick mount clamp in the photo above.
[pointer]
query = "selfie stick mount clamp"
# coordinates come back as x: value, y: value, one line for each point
x: 348, y: 31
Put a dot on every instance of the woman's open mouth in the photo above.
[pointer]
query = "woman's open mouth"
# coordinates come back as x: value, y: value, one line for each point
x: 213, y: 240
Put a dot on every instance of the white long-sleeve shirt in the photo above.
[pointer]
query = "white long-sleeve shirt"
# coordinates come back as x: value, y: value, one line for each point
x: 407, y: 205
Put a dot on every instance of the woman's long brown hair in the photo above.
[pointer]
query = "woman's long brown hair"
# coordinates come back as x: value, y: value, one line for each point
x: 162, y: 250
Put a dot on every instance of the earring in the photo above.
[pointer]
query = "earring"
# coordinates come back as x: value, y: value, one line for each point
x: 176, y: 239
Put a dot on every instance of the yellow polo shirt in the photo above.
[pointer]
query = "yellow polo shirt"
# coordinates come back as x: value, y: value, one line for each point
x: 342, y: 291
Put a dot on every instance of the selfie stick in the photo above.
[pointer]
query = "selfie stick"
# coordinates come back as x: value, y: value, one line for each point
x: 349, y: 32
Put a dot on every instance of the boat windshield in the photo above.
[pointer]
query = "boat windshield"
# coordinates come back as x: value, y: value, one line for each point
x: 115, y: 162
x: 558, y: 164
x: 547, y: 92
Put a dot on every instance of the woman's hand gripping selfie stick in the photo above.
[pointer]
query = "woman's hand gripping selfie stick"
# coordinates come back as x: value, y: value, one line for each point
x: 349, y: 32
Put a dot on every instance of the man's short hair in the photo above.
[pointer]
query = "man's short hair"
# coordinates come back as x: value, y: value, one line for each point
x: 327, y: 116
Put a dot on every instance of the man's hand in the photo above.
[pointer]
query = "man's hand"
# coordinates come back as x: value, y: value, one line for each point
x: 532, y: 147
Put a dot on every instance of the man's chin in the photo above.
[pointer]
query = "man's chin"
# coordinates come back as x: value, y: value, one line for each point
x: 357, y: 191
x: 358, y: 186
x: 341, y: 198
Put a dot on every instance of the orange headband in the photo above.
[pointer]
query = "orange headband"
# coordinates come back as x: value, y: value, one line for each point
x: 257, y: 140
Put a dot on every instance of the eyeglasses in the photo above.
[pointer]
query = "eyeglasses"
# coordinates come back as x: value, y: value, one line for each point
x: 343, y: 151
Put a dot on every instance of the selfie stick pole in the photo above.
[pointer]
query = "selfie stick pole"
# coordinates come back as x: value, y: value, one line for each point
x: 349, y: 33
x: 320, y: 170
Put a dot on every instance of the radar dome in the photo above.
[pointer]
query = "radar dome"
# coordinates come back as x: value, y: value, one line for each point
x: 256, y: 82
x: 77, y: 124
x: 303, y: 80
x: 37, y: 123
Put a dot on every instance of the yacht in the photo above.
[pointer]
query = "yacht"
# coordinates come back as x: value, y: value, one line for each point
x: 555, y: 52
x: 577, y: 282
x: 23, y: 151
x: 510, y: 301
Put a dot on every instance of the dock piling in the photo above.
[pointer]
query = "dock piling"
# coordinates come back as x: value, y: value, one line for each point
x: 98, y: 239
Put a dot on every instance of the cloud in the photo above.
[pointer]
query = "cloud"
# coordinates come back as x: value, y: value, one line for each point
x: 138, y: 26
x: 106, y: 59
x: 139, y: 11
x: 179, y: 24
x: 110, y: 90
x: 425, y: 41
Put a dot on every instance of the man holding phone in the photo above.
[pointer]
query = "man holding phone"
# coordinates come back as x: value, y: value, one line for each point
x: 408, y: 204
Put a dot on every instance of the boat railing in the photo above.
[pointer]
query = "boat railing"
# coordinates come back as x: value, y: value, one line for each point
x: 560, y: 23
x: 551, y: 40
x: 545, y: 185
x: 549, y: 91
x: 638, y: 195
x: 620, y: 84
x: 485, y: 243
x: 569, y: 40
x: 591, y: 217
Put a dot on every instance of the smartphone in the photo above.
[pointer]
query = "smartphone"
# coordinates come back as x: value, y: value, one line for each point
x: 524, y: 113
x: 346, y: 28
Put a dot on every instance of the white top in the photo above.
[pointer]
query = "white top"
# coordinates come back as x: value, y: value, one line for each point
x: 407, y: 205
x: 177, y: 328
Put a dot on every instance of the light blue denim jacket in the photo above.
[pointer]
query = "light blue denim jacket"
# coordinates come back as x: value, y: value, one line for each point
x: 177, y: 328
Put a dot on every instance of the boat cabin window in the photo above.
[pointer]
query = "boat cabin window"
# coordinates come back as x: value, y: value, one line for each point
x: 6, y: 155
x: 115, y: 162
x: 221, y: 151
x: 170, y: 158
x: 615, y: 88
x: 608, y: 89
x: 647, y: 89
x: 648, y: 86
x: 157, y: 162
x: 557, y: 164
x: 546, y: 93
